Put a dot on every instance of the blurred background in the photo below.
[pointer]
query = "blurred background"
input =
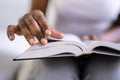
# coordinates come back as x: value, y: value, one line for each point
x: 10, y: 13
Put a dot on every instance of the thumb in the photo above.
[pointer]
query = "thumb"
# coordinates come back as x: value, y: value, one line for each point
x: 56, y: 34
x: 11, y: 31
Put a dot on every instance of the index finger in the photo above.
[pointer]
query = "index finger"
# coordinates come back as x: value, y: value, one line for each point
x: 39, y: 17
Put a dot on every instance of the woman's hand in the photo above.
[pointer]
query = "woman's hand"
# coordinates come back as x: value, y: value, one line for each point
x: 33, y: 25
x: 112, y: 35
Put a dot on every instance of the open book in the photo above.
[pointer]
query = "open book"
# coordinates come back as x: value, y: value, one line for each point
x: 71, y: 45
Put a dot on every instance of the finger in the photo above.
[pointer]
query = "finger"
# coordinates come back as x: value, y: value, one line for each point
x: 93, y: 37
x: 35, y: 29
x: 90, y: 37
x: 96, y: 37
x: 11, y: 29
x: 84, y: 38
x: 28, y: 36
x: 39, y: 17
x: 33, y: 26
x: 56, y: 34
x: 43, y: 41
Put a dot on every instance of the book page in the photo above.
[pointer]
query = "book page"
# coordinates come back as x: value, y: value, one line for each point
x: 51, y: 50
x: 70, y: 37
x: 69, y: 44
x: 106, y: 51
x: 91, y: 45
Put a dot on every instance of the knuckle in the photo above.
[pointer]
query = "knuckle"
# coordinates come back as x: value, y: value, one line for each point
x: 22, y: 24
x: 38, y: 15
x: 38, y: 12
x: 29, y: 22
x: 29, y: 36
x: 28, y: 19
x: 38, y: 33
x: 26, y: 16
x: 10, y: 28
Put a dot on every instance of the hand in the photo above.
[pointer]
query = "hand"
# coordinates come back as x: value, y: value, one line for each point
x: 90, y: 37
x: 33, y: 25
x: 111, y: 36
x: 108, y: 38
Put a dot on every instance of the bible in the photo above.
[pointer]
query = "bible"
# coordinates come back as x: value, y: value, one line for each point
x: 70, y: 45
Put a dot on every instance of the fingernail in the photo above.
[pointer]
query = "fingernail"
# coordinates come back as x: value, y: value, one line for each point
x: 32, y: 42
x: 47, y: 32
x: 43, y: 41
x: 85, y: 38
x: 62, y: 35
x: 10, y: 37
